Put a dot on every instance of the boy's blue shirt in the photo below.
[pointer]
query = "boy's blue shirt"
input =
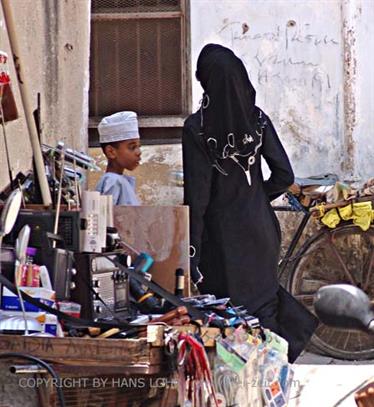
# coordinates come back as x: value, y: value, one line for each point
x: 121, y: 187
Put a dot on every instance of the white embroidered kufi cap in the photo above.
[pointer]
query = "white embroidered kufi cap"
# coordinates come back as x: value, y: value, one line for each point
x: 118, y: 127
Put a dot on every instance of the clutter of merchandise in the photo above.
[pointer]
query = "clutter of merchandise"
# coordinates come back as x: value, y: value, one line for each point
x: 65, y: 271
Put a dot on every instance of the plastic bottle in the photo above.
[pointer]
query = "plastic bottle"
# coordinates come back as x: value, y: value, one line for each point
x: 30, y: 274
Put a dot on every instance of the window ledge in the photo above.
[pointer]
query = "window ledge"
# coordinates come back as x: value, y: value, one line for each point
x: 147, y: 121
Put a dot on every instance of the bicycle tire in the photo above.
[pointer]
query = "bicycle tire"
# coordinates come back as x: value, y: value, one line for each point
x: 312, y: 272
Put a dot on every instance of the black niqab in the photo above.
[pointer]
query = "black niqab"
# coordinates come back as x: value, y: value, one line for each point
x: 229, y: 101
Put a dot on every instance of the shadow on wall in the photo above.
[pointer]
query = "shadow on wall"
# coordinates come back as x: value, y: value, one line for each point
x: 155, y: 177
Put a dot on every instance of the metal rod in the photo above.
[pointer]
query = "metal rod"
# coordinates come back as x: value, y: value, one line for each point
x: 62, y: 163
x: 295, y: 240
x: 366, y: 282
x: 348, y: 274
x: 6, y: 142
x: 77, y: 201
x: 28, y: 369
x: 128, y: 246
x: 25, y: 96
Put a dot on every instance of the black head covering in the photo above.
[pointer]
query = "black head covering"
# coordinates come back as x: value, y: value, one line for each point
x: 229, y: 100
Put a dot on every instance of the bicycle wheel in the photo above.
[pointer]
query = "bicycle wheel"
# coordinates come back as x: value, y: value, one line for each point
x: 344, y: 255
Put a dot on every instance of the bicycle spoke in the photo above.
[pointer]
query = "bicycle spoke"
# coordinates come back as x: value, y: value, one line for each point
x: 347, y: 339
x: 341, y: 262
x: 358, y: 340
x: 367, y: 270
x: 343, y: 255
x: 324, y: 330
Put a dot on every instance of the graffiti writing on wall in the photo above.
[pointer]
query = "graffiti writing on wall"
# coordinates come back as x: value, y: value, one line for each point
x: 291, y: 56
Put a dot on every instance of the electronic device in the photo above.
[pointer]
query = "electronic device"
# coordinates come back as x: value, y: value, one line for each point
x: 59, y: 262
x: 41, y: 222
x: 7, y: 259
x: 101, y: 288
x: 93, y: 235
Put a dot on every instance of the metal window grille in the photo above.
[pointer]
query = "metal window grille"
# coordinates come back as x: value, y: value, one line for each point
x: 138, y: 61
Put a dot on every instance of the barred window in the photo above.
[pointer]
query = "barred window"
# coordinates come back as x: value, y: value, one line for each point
x: 139, y: 61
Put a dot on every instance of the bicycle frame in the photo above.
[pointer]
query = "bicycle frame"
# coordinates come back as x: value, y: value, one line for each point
x: 285, y: 260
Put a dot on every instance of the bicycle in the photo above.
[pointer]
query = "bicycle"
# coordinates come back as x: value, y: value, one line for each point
x: 343, y: 255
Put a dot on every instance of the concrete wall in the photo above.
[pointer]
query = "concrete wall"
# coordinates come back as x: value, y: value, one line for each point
x: 310, y: 64
x: 53, y: 37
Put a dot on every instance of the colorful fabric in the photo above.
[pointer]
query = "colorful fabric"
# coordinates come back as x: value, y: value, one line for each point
x: 361, y: 214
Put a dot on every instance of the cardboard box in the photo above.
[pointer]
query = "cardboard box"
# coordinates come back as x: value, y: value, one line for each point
x: 48, y: 321
x: 10, y: 301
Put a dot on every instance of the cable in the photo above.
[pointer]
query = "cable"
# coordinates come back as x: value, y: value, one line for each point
x: 41, y: 362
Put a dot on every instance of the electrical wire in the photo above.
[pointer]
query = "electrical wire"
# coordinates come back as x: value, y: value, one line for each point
x: 41, y: 362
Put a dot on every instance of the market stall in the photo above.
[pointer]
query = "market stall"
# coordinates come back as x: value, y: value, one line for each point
x: 102, y: 313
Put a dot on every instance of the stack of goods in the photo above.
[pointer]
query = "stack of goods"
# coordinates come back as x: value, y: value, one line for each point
x: 34, y: 281
x: 251, y: 369
x: 345, y: 203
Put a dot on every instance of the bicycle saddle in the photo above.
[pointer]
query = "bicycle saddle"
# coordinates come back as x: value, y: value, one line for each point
x: 317, y: 180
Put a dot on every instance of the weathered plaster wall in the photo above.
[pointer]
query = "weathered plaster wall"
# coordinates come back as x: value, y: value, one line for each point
x: 53, y: 37
x: 293, y: 52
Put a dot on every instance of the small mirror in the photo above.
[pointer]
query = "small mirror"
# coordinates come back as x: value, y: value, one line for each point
x: 10, y: 212
x: 21, y: 243
x: 344, y: 306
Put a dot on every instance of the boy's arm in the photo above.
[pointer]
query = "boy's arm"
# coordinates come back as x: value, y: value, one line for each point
x: 111, y: 186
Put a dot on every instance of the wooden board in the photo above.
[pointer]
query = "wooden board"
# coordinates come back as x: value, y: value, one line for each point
x: 132, y: 354
x: 162, y: 232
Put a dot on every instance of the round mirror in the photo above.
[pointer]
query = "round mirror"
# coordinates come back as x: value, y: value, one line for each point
x: 10, y: 212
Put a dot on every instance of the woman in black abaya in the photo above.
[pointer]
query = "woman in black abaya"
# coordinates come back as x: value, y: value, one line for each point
x: 235, y: 235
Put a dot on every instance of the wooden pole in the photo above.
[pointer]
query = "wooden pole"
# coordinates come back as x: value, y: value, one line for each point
x: 25, y: 96
x: 341, y: 204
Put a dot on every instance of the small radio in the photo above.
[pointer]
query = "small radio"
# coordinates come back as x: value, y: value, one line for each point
x: 100, y: 287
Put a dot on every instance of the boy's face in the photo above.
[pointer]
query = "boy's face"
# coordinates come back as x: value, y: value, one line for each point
x: 126, y: 154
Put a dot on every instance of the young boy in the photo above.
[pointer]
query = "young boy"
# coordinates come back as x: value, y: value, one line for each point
x: 119, y: 139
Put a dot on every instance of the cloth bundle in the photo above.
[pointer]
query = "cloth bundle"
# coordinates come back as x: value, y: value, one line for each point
x: 361, y: 214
